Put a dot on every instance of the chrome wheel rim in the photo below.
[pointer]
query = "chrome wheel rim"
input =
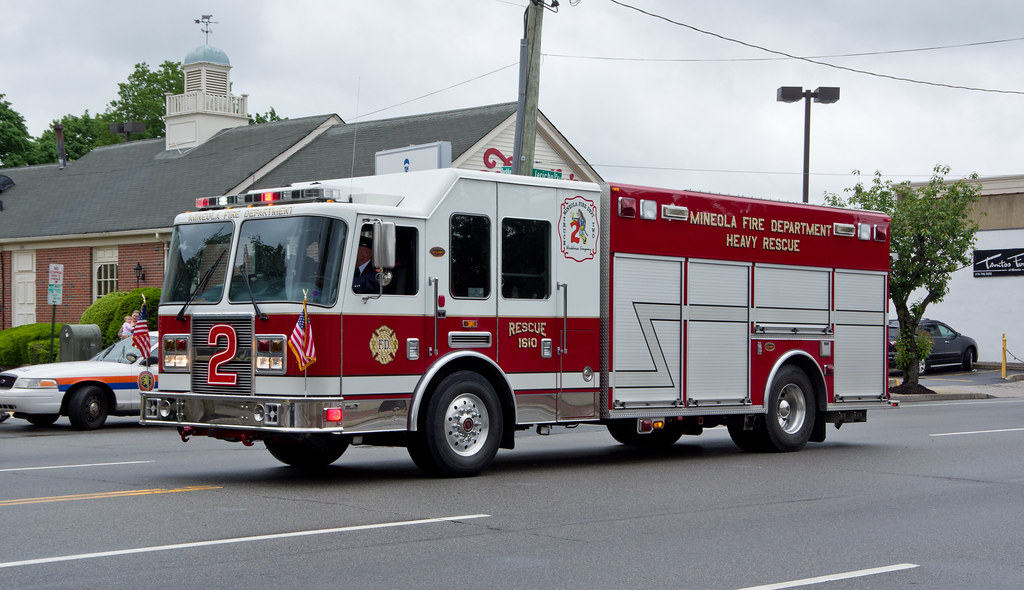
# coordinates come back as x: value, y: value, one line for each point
x: 792, y: 409
x: 466, y: 424
x: 92, y: 409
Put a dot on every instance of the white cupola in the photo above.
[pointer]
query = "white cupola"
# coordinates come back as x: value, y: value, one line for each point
x: 207, y: 106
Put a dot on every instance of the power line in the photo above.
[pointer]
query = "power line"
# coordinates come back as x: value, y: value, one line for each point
x: 756, y: 59
x: 811, y: 60
x: 457, y: 84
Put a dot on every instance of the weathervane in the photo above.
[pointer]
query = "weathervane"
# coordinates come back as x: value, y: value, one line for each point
x: 205, y: 23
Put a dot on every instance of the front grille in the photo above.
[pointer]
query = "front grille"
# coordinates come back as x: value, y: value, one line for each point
x: 7, y: 381
x: 241, y: 366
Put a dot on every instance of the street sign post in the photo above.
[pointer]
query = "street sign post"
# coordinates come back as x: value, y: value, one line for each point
x: 55, y: 297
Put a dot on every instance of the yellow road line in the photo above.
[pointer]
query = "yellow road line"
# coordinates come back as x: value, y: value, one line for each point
x: 104, y: 495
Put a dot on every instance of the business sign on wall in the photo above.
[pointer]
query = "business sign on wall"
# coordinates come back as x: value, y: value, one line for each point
x: 999, y: 263
x: 428, y: 156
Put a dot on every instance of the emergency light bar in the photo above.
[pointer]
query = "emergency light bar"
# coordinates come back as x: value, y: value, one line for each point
x: 261, y: 197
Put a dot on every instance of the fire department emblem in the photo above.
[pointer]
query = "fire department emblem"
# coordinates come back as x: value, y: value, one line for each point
x: 383, y: 345
x: 146, y: 381
x: 578, y: 228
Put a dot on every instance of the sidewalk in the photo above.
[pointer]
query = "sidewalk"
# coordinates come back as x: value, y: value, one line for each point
x: 1012, y: 387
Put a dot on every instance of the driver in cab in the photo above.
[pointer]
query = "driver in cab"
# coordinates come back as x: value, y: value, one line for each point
x: 365, y: 279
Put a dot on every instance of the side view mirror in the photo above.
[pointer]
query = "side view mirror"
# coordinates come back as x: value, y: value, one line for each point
x: 383, y: 244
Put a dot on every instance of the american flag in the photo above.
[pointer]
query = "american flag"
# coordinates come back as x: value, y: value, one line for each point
x: 301, y: 340
x: 140, y: 335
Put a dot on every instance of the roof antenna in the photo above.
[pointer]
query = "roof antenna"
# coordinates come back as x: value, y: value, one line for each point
x: 205, y: 23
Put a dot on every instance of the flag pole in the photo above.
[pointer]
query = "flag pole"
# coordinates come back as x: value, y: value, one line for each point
x: 305, y: 370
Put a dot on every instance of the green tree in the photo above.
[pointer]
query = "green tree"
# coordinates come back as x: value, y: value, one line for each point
x: 141, y: 98
x: 268, y: 117
x: 931, y: 235
x: 15, y: 142
x: 81, y: 134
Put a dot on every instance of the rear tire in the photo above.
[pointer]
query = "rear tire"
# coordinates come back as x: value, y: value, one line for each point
x: 968, y: 362
x: 88, y: 408
x: 754, y: 440
x: 791, y: 410
x: 311, y: 451
x: 624, y: 431
x: 41, y: 419
x: 461, y: 429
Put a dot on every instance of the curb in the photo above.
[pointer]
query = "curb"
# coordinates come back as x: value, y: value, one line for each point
x: 934, y: 397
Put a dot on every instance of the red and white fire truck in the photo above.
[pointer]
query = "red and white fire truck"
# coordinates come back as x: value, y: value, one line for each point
x: 495, y: 303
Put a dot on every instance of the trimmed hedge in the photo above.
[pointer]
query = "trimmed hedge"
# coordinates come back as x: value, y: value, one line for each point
x: 38, y: 351
x: 14, y: 342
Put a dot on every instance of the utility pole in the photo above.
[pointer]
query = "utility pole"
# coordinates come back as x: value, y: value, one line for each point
x: 529, y: 88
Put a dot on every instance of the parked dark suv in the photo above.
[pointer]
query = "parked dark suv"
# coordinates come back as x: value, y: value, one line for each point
x: 949, y: 347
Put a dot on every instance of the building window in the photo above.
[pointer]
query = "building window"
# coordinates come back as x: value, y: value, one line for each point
x: 104, y: 270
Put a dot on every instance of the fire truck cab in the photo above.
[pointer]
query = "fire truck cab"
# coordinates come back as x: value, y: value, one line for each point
x: 445, y: 310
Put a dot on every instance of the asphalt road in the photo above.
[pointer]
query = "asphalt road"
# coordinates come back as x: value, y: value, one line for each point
x: 925, y: 496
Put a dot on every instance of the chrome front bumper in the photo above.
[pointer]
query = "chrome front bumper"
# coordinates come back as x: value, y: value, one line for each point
x: 269, y: 414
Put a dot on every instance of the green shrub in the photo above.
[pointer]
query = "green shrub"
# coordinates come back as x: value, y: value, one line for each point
x: 105, y: 312
x: 108, y: 312
x: 38, y: 351
x: 14, y: 342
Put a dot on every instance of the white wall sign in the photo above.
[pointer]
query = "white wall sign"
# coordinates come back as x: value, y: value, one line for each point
x: 427, y: 156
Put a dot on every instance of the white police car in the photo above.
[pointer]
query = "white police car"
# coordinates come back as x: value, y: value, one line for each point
x: 84, y: 391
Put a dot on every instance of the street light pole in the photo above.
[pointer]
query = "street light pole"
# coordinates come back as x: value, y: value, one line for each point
x: 823, y: 94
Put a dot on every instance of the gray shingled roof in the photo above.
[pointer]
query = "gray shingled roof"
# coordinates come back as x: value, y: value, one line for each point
x: 139, y: 185
x: 330, y: 155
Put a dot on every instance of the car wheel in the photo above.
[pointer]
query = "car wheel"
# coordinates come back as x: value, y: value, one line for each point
x: 922, y: 367
x: 311, y: 451
x: 41, y: 419
x: 791, y: 410
x: 462, y: 427
x: 87, y: 409
x: 968, y: 362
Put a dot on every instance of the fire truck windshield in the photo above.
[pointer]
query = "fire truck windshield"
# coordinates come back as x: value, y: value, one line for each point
x: 288, y: 258
x: 195, y: 249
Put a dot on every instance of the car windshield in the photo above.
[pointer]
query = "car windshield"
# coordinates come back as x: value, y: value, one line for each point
x: 195, y: 250
x: 287, y: 259
x: 122, y: 351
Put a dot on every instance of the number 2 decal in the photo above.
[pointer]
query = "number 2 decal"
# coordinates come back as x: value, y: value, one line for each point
x: 215, y: 377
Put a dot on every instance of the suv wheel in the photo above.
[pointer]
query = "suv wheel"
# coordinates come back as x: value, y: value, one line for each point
x: 968, y: 361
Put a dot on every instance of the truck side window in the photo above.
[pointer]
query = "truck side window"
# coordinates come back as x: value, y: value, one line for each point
x: 404, y: 280
x: 470, y: 256
x: 525, y: 259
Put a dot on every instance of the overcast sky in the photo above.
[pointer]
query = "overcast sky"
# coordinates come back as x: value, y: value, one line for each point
x: 644, y: 100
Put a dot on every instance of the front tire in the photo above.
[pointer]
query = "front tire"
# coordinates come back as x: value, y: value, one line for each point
x: 791, y: 410
x: 311, y: 451
x: 461, y: 429
x: 88, y: 408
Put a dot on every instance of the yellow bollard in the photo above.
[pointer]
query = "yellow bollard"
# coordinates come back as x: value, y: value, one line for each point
x: 1004, y: 355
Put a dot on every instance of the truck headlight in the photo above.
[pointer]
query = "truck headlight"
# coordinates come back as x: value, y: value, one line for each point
x: 175, y: 352
x: 270, y: 355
